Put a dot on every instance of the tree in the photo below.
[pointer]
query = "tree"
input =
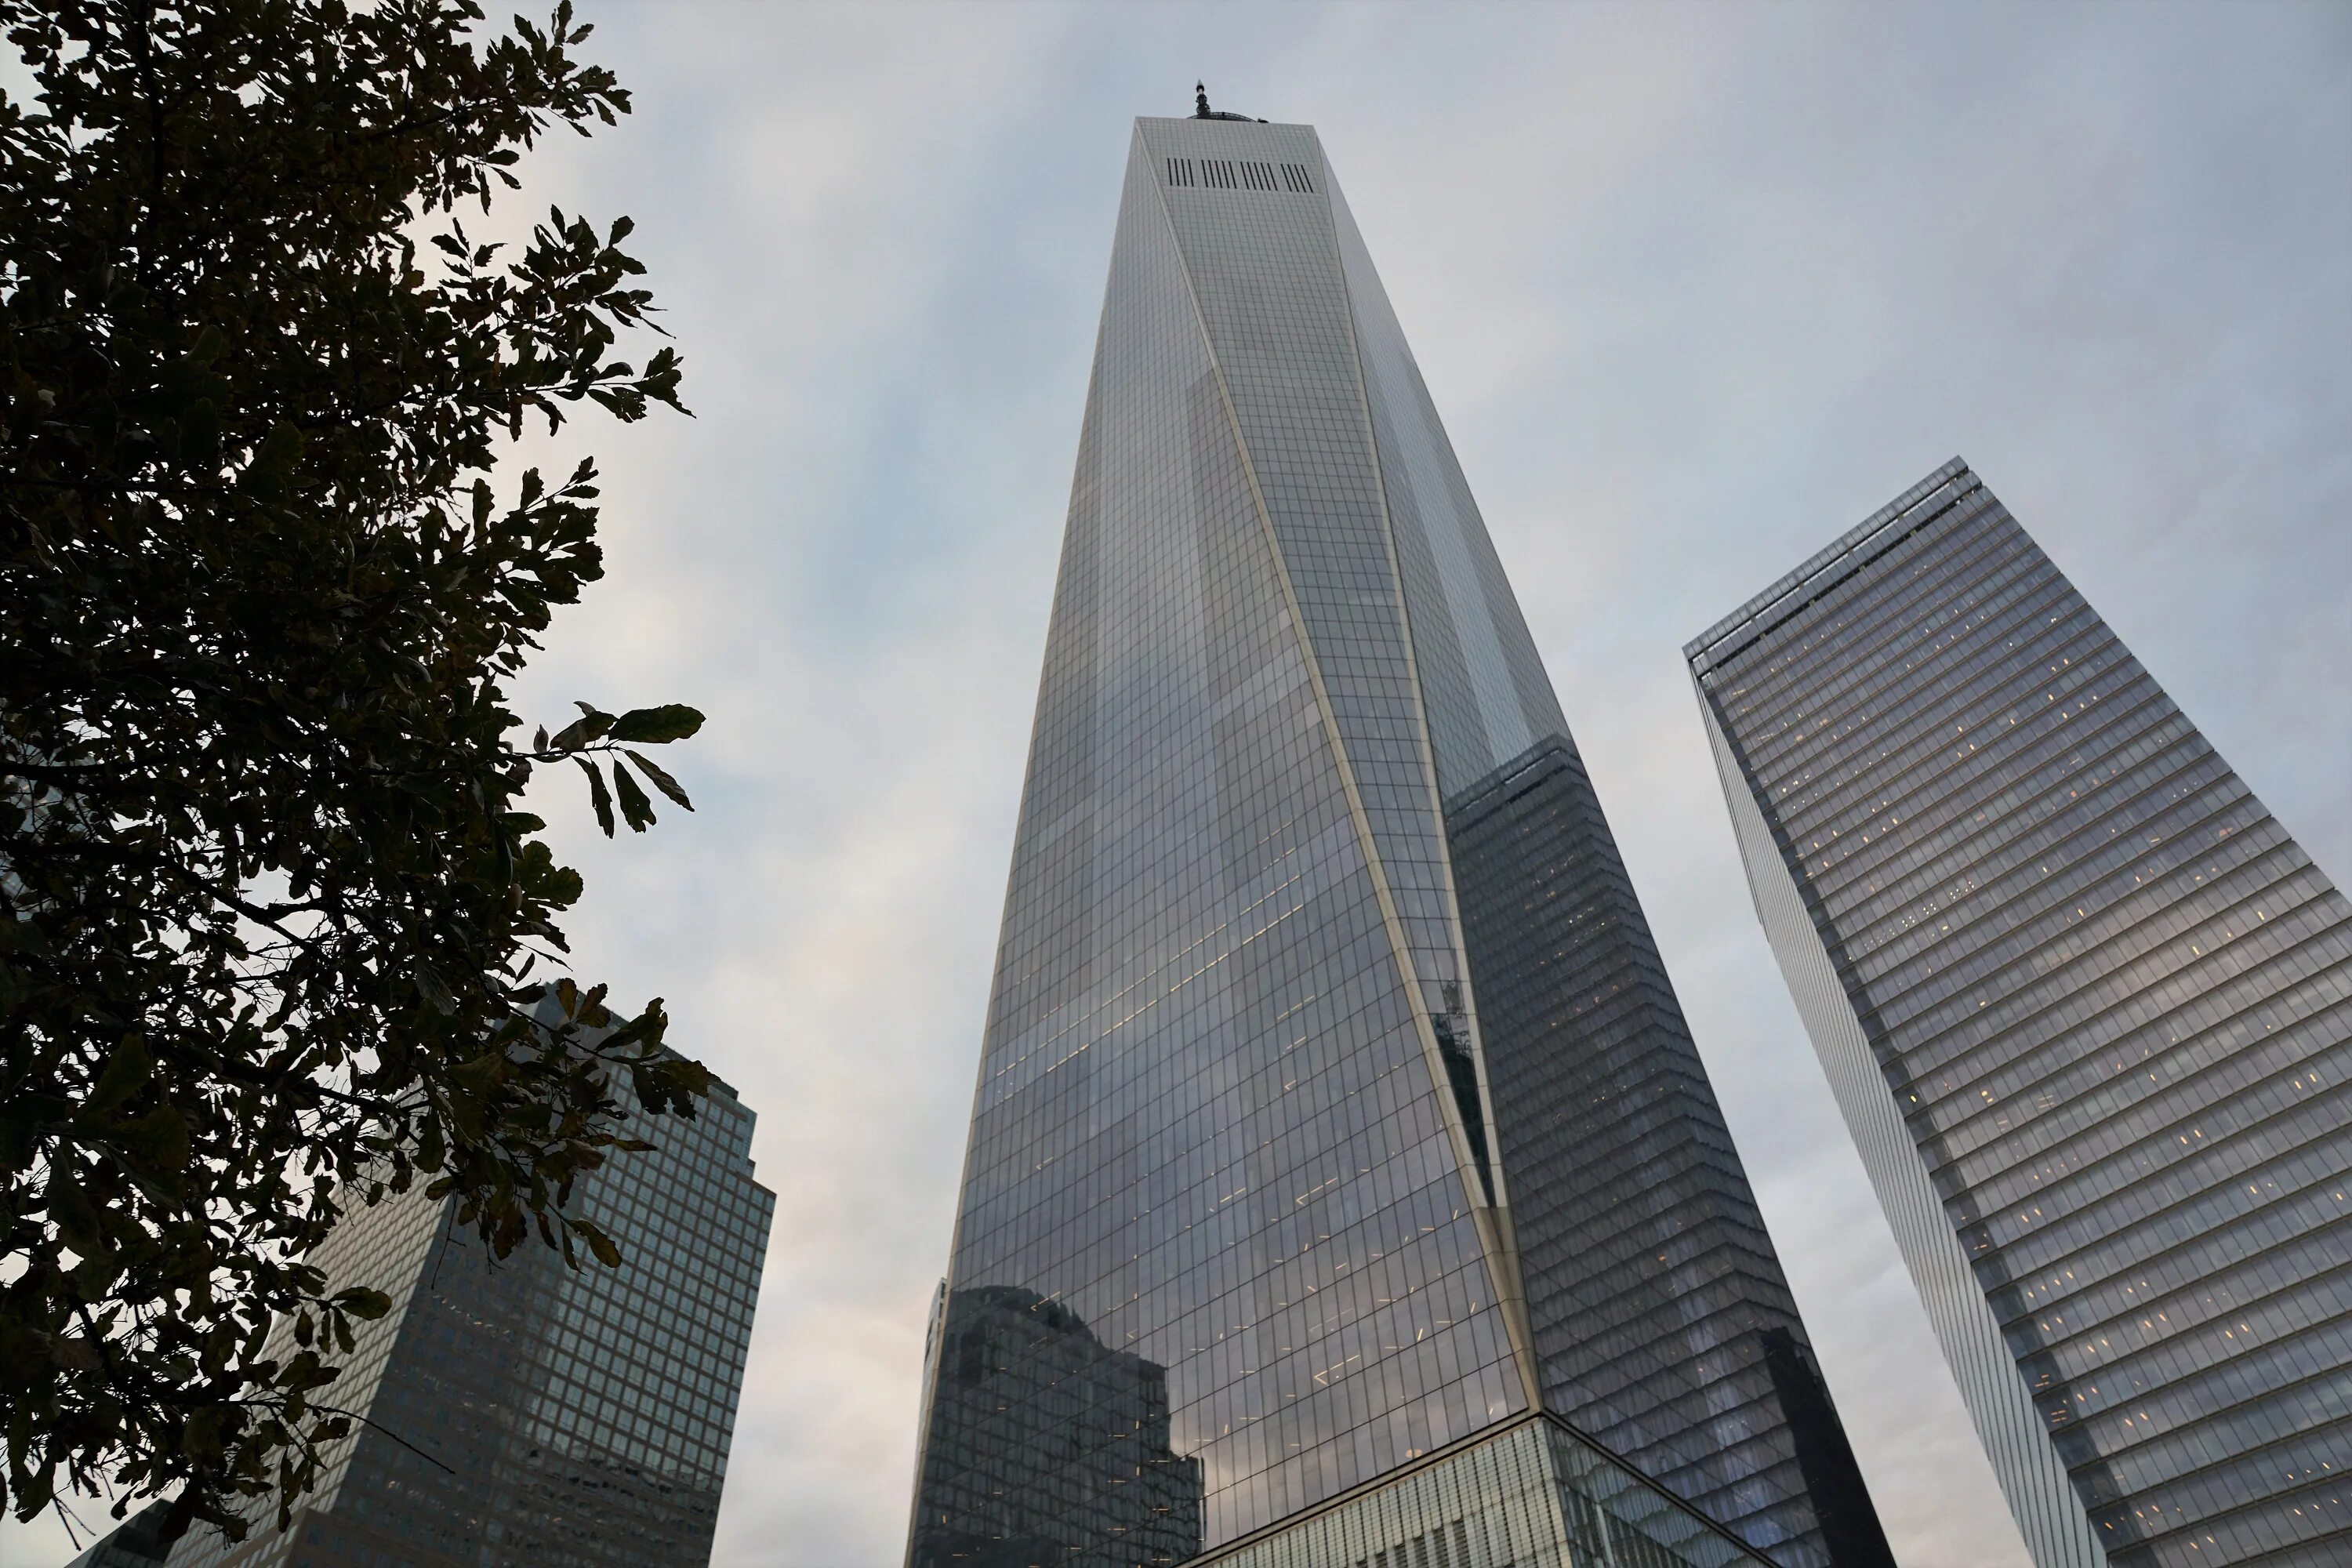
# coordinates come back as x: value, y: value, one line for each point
x: 275, y: 924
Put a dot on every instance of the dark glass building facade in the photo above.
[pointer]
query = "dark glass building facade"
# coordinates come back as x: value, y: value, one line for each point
x: 2087, y: 1008
x: 524, y: 1415
x: 1336, y: 1131
x: 136, y: 1543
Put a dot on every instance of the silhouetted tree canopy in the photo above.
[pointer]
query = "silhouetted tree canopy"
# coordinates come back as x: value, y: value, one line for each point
x: 275, y: 927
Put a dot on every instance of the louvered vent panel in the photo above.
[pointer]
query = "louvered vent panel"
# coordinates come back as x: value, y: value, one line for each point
x: 1239, y: 174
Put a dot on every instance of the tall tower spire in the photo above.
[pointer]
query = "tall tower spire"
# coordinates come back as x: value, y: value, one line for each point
x: 1336, y: 1134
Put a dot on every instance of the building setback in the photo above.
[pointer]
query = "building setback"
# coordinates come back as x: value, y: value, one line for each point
x: 530, y: 1415
x: 2087, y: 1008
x: 1337, y: 1135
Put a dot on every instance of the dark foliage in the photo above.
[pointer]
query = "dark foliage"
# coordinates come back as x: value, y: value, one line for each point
x: 272, y: 912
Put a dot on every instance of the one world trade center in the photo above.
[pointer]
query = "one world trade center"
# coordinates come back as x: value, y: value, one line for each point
x: 1343, y: 1186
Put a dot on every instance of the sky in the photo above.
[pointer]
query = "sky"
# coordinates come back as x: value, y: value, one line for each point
x: 1695, y: 287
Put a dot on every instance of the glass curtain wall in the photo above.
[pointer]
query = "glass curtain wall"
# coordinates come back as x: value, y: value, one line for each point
x: 1235, y: 1144
x: 2088, y: 1008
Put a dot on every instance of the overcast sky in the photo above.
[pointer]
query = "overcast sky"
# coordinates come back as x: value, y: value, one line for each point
x: 1696, y: 287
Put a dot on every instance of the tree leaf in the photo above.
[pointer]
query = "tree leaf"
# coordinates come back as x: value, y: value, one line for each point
x: 127, y: 1071
x: 273, y: 460
x: 364, y: 1303
x: 598, y: 1243
x: 598, y: 796
x: 655, y: 726
x: 159, y: 1140
x: 661, y: 780
x: 590, y: 726
x: 635, y: 805
x: 70, y: 1210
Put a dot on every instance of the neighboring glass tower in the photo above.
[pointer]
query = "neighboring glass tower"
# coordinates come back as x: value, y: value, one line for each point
x: 2088, y: 1010
x: 1337, y: 1138
x: 136, y: 1543
x: 525, y: 1414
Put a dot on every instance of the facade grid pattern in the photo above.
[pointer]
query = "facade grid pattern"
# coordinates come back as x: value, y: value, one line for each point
x: 524, y: 1415
x: 1663, y: 1325
x: 1531, y: 1495
x: 1205, y: 1129
x: 2107, y: 1001
x: 1235, y: 1234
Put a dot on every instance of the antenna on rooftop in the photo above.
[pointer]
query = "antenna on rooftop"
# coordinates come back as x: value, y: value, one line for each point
x: 1200, y: 110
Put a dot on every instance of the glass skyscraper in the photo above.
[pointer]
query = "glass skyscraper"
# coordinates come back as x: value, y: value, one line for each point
x: 2087, y: 1008
x: 1343, y: 1186
x: 524, y: 1415
x: 136, y: 1543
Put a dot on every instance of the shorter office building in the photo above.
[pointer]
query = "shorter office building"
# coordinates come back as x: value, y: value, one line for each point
x: 2086, y: 1005
x: 523, y: 1415
x: 137, y: 1542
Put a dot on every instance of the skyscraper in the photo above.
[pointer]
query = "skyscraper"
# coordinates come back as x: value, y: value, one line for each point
x: 136, y: 1543
x: 1337, y: 1132
x: 2087, y: 1009
x: 524, y: 1415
